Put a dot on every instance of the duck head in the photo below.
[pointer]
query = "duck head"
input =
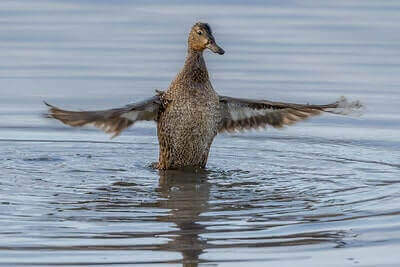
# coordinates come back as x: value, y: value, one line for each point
x: 201, y: 37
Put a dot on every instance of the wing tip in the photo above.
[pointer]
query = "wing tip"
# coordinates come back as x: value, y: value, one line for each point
x: 346, y: 107
x: 49, y: 113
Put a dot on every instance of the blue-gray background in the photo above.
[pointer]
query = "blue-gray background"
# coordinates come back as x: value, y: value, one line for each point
x: 321, y: 192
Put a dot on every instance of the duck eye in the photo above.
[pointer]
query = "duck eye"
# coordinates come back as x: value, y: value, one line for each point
x: 199, y: 33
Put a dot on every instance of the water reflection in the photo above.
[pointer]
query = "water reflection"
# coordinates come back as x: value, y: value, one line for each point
x: 187, y: 197
x: 186, y: 194
x: 189, y: 218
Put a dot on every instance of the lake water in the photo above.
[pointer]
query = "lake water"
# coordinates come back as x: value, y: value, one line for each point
x: 325, y: 192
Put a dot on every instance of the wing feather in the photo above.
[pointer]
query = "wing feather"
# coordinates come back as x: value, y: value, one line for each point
x: 112, y: 121
x: 244, y: 114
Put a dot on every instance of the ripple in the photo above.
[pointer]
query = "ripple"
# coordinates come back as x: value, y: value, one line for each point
x: 324, y: 191
x: 43, y: 159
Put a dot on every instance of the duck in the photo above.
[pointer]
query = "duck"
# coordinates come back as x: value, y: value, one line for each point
x: 190, y: 113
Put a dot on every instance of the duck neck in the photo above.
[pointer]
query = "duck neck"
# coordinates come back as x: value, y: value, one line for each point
x: 195, y: 68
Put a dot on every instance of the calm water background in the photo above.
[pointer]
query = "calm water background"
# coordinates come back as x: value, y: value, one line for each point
x: 322, y: 193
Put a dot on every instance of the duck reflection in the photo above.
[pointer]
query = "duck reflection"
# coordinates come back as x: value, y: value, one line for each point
x: 187, y: 195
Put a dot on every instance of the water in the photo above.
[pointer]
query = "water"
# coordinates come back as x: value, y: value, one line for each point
x: 321, y: 193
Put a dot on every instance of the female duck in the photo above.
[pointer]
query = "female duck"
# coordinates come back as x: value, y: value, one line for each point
x: 189, y: 114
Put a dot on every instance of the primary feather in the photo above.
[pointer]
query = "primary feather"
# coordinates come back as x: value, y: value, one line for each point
x: 241, y: 114
x: 112, y: 121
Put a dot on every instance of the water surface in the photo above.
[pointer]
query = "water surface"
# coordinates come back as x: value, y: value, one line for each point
x: 321, y: 193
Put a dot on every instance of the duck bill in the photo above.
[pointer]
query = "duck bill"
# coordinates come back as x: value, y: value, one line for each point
x: 215, y: 48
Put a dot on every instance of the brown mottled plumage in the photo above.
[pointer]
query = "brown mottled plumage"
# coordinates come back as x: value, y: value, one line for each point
x: 189, y: 114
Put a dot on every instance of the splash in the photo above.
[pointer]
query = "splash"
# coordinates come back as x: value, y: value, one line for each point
x: 344, y: 107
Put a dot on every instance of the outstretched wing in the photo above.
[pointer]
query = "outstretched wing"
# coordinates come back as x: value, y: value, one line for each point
x: 110, y: 120
x: 242, y: 114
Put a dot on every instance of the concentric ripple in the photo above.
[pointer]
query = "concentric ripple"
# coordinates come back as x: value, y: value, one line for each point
x: 322, y: 193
